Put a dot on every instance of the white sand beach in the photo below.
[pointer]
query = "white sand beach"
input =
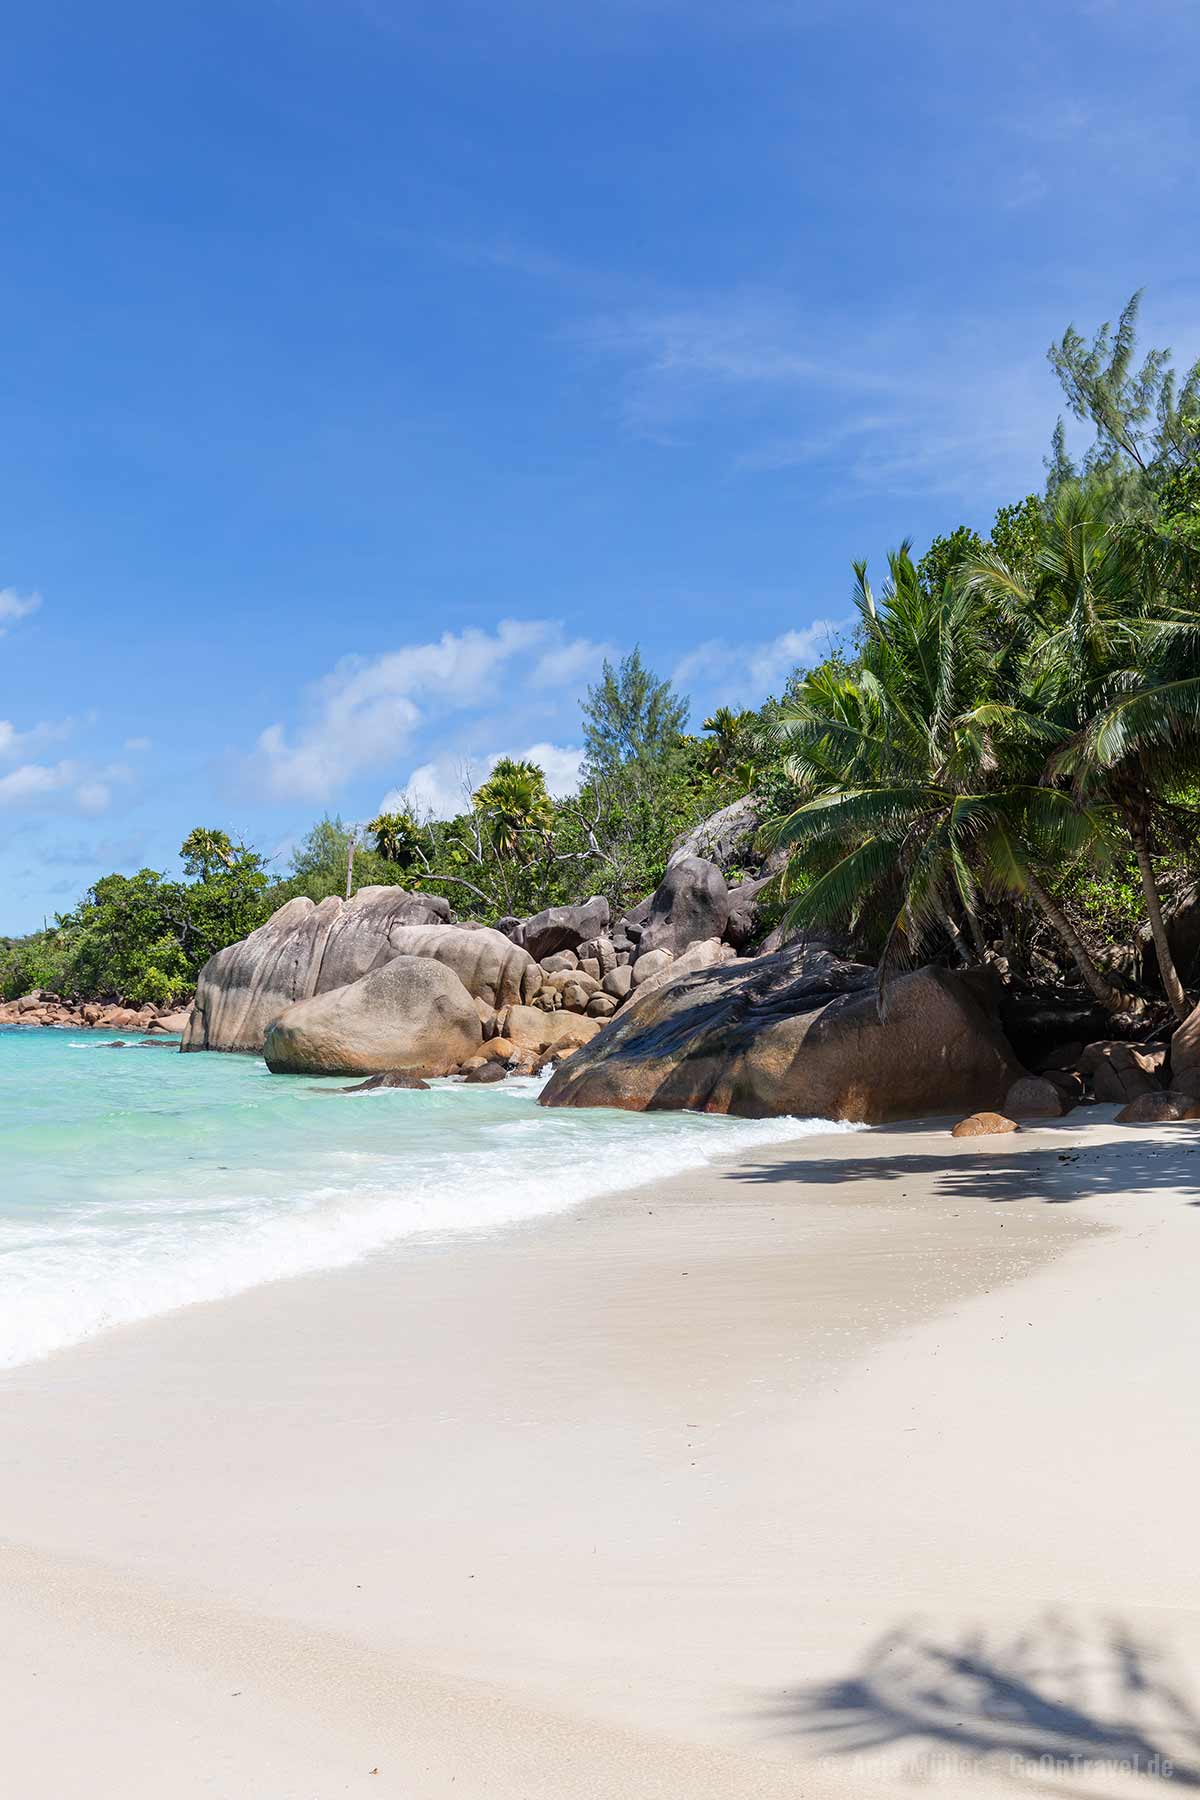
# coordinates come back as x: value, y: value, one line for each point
x: 864, y: 1466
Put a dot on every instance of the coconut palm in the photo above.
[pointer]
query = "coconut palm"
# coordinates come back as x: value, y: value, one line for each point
x: 1115, y: 646
x: 912, y: 769
x: 726, y: 749
x: 396, y: 837
x: 515, y: 805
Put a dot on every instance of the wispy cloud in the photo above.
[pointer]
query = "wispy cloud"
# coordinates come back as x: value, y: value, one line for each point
x: 70, y: 785
x: 367, y: 711
x: 14, y: 607
x: 745, y: 673
x: 888, y: 409
x: 14, y: 743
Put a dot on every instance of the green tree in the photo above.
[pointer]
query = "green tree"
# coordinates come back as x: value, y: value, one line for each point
x: 517, y: 811
x: 909, y: 770
x: 732, y: 744
x: 1114, y: 647
x: 204, y: 849
x: 631, y: 716
x: 397, y: 838
x: 1145, y: 419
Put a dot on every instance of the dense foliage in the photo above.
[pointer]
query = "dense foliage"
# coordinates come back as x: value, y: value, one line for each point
x: 1001, y: 764
x: 145, y: 937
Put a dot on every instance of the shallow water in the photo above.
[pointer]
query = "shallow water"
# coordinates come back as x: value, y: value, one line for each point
x: 134, y: 1181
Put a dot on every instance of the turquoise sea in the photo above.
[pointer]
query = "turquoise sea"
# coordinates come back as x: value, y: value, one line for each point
x: 135, y: 1181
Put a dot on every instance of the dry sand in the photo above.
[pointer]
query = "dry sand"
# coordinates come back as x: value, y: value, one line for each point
x: 866, y: 1467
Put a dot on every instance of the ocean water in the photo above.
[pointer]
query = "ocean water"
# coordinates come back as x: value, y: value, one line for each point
x: 135, y: 1181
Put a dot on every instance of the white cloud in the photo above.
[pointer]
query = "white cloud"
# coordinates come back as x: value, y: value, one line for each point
x: 366, y: 711
x: 14, y: 743
x: 747, y: 672
x: 14, y: 606
x: 561, y: 764
x: 67, y: 786
x: 437, y: 789
x: 138, y: 745
x: 443, y: 787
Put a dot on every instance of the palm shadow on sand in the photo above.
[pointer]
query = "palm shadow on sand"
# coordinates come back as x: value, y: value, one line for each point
x: 1057, y: 1167
x: 1061, y: 1696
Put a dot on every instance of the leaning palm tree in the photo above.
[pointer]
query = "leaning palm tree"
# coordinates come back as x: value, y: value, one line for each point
x: 911, y: 770
x: 1115, y: 646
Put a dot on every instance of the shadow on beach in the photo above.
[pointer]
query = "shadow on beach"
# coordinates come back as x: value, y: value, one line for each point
x: 1057, y: 1698
x: 1056, y: 1172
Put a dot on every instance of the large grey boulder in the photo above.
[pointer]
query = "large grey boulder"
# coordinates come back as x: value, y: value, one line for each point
x: 303, y: 949
x: 413, y: 1013
x: 797, y: 1033
x: 565, y: 927
x: 489, y: 965
x: 690, y: 903
x: 726, y: 837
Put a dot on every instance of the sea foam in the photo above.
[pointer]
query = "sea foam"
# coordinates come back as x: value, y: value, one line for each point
x: 137, y: 1182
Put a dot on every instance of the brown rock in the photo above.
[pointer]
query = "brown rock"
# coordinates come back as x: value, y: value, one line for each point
x: 602, y: 1006
x: 412, y: 1013
x: 1119, y: 1071
x: 560, y: 963
x: 690, y: 903
x: 530, y: 1029
x: 1185, y: 1047
x: 797, y: 1033
x: 565, y: 927
x: 1033, y: 1097
x: 653, y: 962
x: 1069, y: 1083
x: 486, y: 1073
x: 618, y: 981
x: 1159, y: 1109
x: 389, y: 1078
x: 984, y: 1124
x: 707, y: 954
x: 170, y: 1021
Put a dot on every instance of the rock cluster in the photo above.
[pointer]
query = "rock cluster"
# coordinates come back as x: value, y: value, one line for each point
x: 42, y: 1008
x: 347, y: 987
x: 1153, y: 1084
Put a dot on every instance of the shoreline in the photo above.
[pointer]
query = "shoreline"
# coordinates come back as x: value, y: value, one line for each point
x: 566, y: 1509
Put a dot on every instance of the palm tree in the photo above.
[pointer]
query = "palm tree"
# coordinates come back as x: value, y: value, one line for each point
x: 910, y: 767
x: 1114, y: 647
x: 515, y: 805
x: 727, y: 746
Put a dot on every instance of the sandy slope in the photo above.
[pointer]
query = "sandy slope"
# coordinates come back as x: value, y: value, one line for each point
x: 868, y: 1462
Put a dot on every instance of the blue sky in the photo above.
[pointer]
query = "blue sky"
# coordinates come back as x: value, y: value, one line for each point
x: 370, y: 369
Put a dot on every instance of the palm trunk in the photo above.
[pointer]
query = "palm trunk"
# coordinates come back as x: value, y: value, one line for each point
x: 1158, y: 930
x: 350, y: 863
x: 954, y: 934
x: 1103, y: 991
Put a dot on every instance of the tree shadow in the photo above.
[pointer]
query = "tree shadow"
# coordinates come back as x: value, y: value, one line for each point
x: 1054, y: 1698
x: 1060, y: 1168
